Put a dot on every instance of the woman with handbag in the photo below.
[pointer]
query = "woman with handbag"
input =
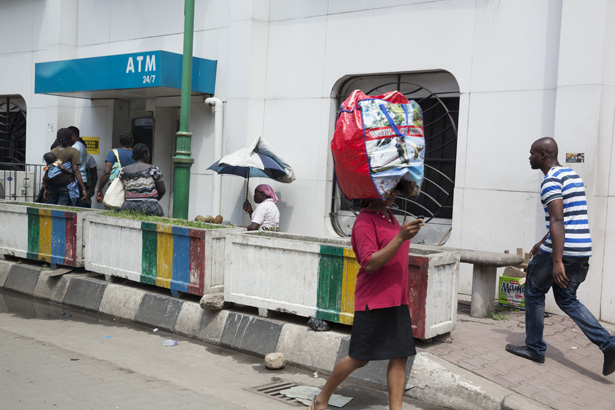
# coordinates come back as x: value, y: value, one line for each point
x: 382, y: 328
x: 143, y: 184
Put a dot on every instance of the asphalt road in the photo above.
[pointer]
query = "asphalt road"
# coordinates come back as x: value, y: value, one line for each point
x: 55, y: 358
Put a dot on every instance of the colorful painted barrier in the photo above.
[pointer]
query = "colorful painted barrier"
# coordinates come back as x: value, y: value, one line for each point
x: 51, y: 234
x: 178, y: 258
x: 309, y: 276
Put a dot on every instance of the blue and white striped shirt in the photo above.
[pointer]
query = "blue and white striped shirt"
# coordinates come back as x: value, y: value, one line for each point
x: 563, y: 183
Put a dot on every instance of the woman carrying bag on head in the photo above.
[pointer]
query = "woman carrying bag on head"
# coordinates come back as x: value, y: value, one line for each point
x: 382, y: 328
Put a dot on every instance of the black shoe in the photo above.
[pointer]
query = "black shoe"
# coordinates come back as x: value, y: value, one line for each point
x: 525, y: 352
x: 609, y: 362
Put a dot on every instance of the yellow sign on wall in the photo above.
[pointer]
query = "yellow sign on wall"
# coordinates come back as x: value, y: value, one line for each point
x: 92, y: 144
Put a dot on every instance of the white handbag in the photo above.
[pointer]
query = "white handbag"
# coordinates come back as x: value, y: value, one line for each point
x: 114, y: 197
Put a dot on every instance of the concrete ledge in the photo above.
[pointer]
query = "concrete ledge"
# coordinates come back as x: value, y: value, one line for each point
x: 434, y: 380
x: 250, y: 334
x: 212, y: 326
x: 159, y: 311
x: 303, y: 346
x: 85, y: 293
x: 189, y: 319
x: 121, y: 302
x: 5, y: 268
x: 52, y: 287
x: 22, y: 278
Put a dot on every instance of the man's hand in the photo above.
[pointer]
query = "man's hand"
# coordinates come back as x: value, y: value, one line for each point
x: 99, y: 197
x: 535, y: 249
x: 559, y: 274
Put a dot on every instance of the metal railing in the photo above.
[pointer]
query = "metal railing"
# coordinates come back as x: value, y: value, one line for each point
x: 20, y: 182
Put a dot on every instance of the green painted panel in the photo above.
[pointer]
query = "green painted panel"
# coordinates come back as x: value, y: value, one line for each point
x: 149, y: 253
x: 330, y: 278
x: 33, y: 233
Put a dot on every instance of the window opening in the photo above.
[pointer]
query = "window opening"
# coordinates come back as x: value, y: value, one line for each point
x: 438, y: 96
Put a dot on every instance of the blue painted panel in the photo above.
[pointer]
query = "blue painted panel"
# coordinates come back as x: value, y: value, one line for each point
x: 123, y: 71
x: 58, y: 237
x: 181, y: 259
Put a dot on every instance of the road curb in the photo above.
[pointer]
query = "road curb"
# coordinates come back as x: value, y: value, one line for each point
x: 431, y: 379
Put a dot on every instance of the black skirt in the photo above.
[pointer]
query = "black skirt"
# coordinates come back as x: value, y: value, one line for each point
x: 382, y: 334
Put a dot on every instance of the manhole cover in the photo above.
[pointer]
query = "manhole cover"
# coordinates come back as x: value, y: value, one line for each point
x: 273, y: 390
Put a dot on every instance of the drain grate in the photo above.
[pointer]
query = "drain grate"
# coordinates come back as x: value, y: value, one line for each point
x: 272, y: 390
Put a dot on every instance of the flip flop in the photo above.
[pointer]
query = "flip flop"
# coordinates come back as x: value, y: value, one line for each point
x: 313, y: 405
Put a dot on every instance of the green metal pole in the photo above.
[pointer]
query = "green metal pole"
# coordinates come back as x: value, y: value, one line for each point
x: 182, y: 161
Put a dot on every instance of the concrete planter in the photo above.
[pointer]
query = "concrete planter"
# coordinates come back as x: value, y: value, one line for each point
x: 51, y: 234
x: 309, y: 276
x: 433, y: 278
x: 178, y: 258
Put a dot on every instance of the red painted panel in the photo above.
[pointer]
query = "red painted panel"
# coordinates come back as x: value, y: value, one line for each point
x: 70, y: 242
x: 417, y: 293
x: 197, y: 262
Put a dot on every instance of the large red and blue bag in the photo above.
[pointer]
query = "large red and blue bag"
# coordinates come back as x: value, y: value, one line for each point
x: 378, y: 142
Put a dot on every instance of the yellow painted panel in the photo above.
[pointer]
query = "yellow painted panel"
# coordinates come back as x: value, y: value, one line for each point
x: 351, y: 268
x: 44, y: 234
x: 164, y: 265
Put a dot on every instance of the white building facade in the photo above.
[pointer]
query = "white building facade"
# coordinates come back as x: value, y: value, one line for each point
x: 515, y: 70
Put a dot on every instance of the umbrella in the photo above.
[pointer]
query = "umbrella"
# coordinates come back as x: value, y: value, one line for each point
x: 257, y: 160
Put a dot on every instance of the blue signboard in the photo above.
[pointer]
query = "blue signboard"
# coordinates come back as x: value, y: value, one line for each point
x: 124, y: 71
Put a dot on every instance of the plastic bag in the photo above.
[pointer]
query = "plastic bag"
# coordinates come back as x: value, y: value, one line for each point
x: 378, y: 141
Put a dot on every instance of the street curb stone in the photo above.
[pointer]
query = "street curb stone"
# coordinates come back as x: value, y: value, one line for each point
x: 85, y: 293
x: 158, y: 311
x: 52, y: 288
x: 121, y: 302
x: 250, y: 334
x: 21, y: 279
x: 5, y: 268
x: 300, y: 344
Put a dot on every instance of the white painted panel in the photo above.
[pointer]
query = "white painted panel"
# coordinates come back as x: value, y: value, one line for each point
x: 506, y: 57
x: 296, y: 58
x: 607, y: 306
x: 352, y: 48
x: 583, y: 39
x: 297, y: 9
x: 499, y: 140
x: 93, y: 22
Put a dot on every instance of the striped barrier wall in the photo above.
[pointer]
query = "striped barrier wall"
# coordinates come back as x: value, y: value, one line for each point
x: 52, y: 236
x: 337, y: 277
x: 173, y: 257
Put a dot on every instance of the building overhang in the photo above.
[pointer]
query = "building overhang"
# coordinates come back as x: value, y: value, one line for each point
x: 124, y: 76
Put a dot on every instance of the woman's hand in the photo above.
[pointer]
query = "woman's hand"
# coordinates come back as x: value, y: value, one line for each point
x: 99, y: 197
x: 410, y: 229
x: 247, y: 206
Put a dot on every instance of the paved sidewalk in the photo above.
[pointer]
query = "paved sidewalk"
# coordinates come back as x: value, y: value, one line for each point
x: 570, y: 378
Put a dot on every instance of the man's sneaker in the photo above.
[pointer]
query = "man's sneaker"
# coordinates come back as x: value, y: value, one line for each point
x: 609, y: 361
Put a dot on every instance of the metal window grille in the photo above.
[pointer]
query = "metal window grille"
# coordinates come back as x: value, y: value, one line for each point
x: 438, y: 97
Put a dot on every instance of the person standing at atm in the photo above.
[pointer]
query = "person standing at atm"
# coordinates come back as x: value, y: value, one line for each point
x: 122, y: 156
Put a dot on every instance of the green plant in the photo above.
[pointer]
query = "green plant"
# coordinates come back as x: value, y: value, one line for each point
x: 46, y: 267
x: 47, y: 206
x: 499, y: 313
x: 159, y: 219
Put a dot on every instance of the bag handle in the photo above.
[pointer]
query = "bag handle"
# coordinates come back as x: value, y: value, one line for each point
x: 392, y: 124
x: 118, y: 157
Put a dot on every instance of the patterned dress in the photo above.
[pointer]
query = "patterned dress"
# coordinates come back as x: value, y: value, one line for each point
x: 140, y: 191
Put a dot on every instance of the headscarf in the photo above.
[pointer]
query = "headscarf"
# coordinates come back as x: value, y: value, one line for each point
x: 267, y: 190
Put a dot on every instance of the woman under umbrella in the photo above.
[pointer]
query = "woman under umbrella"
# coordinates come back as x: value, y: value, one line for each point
x: 266, y: 216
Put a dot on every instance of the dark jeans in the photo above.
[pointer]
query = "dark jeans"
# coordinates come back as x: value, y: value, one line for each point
x: 539, y: 281
x: 59, y: 196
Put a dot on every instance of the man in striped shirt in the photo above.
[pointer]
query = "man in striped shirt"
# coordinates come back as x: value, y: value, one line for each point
x: 561, y: 259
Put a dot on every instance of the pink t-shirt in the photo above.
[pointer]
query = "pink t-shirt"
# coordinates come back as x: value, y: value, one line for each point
x: 387, y: 286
